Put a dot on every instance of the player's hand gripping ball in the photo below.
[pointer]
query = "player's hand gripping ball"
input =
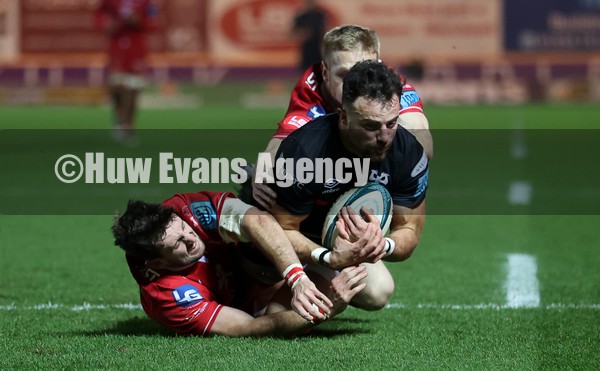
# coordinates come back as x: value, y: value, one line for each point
x: 372, y: 196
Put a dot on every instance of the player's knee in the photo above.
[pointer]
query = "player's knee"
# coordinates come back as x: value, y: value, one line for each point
x: 381, y: 296
x: 375, y: 297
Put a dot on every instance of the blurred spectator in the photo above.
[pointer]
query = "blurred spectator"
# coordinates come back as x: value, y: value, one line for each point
x: 308, y: 28
x: 126, y: 22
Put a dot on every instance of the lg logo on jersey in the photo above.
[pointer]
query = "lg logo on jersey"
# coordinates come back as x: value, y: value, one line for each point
x: 186, y: 295
x: 384, y: 178
x: 311, y: 82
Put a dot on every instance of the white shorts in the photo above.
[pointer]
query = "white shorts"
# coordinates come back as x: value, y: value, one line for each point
x: 128, y: 80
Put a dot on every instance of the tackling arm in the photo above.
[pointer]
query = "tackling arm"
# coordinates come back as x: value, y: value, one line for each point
x: 234, y: 323
x: 291, y: 225
x: 268, y: 236
x: 418, y: 125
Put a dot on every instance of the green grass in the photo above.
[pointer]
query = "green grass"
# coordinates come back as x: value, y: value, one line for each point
x: 448, y: 308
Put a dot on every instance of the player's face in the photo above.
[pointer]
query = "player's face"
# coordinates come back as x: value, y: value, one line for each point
x: 180, y: 245
x: 335, y: 67
x: 368, y: 127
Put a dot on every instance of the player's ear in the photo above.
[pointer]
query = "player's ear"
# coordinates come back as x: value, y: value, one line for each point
x: 324, y: 71
x: 343, y: 116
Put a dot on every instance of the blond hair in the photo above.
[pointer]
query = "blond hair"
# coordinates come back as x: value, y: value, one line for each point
x: 350, y: 37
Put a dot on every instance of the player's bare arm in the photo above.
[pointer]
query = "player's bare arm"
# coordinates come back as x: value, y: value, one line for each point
x: 235, y: 323
x: 407, y: 225
x: 291, y: 225
x: 267, y: 234
x: 418, y: 125
x: 344, y: 253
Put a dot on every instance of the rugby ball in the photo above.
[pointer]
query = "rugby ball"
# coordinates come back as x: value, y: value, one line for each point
x: 372, y: 196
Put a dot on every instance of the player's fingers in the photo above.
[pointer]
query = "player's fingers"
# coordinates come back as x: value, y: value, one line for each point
x: 351, y: 219
x: 378, y: 243
x: 316, y: 309
x: 263, y: 202
x: 349, y: 272
x: 341, y: 228
x: 323, y: 299
x: 315, y: 299
x: 302, y: 310
x: 267, y: 190
x: 357, y: 220
x: 366, y: 241
x: 369, y: 217
x: 356, y: 279
x: 355, y: 290
x: 358, y: 270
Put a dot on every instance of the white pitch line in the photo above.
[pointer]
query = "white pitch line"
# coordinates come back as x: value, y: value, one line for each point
x: 522, y: 286
x: 519, y: 193
x: 482, y: 306
x: 486, y: 306
x: 518, y: 148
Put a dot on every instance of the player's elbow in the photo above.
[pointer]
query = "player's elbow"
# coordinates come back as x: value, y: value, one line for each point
x: 260, y: 220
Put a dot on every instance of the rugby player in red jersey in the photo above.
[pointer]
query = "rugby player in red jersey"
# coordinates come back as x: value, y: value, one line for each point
x: 183, y: 255
x: 127, y: 23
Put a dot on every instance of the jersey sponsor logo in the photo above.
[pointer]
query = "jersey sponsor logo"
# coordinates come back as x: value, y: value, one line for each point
x: 205, y: 214
x: 383, y: 178
x: 422, y: 186
x: 311, y: 82
x: 409, y: 98
x: 315, y: 111
x: 297, y: 121
x: 186, y: 295
x: 331, y: 183
x: 420, y: 166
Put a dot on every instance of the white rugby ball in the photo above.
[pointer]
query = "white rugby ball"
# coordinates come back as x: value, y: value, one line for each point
x: 372, y: 196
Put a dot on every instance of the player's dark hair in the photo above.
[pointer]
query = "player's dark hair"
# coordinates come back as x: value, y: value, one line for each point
x: 372, y: 80
x: 140, y: 227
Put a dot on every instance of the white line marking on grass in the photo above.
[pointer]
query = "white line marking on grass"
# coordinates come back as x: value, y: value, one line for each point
x: 486, y: 306
x: 76, y: 308
x: 519, y: 193
x: 518, y: 148
x: 522, y: 286
x: 482, y: 306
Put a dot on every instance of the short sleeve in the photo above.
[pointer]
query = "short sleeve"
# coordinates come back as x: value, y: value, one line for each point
x: 413, y: 187
x: 181, y: 306
x: 230, y: 223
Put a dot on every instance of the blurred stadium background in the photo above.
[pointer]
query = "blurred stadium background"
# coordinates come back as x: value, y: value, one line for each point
x: 455, y: 51
x: 67, y: 300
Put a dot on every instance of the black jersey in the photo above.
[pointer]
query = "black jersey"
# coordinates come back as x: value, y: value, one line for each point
x: 404, y: 171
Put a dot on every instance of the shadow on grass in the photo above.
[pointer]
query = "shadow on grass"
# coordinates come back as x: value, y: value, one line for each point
x: 340, y: 327
x: 143, y: 326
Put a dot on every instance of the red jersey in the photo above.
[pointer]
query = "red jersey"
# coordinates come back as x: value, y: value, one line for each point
x: 307, y: 102
x: 188, y: 301
x: 130, y: 21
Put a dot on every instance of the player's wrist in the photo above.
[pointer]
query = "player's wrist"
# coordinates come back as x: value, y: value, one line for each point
x: 321, y: 256
x: 293, y: 274
x: 390, y: 246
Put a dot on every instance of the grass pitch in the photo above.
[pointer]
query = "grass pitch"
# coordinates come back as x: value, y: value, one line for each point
x: 67, y: 300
